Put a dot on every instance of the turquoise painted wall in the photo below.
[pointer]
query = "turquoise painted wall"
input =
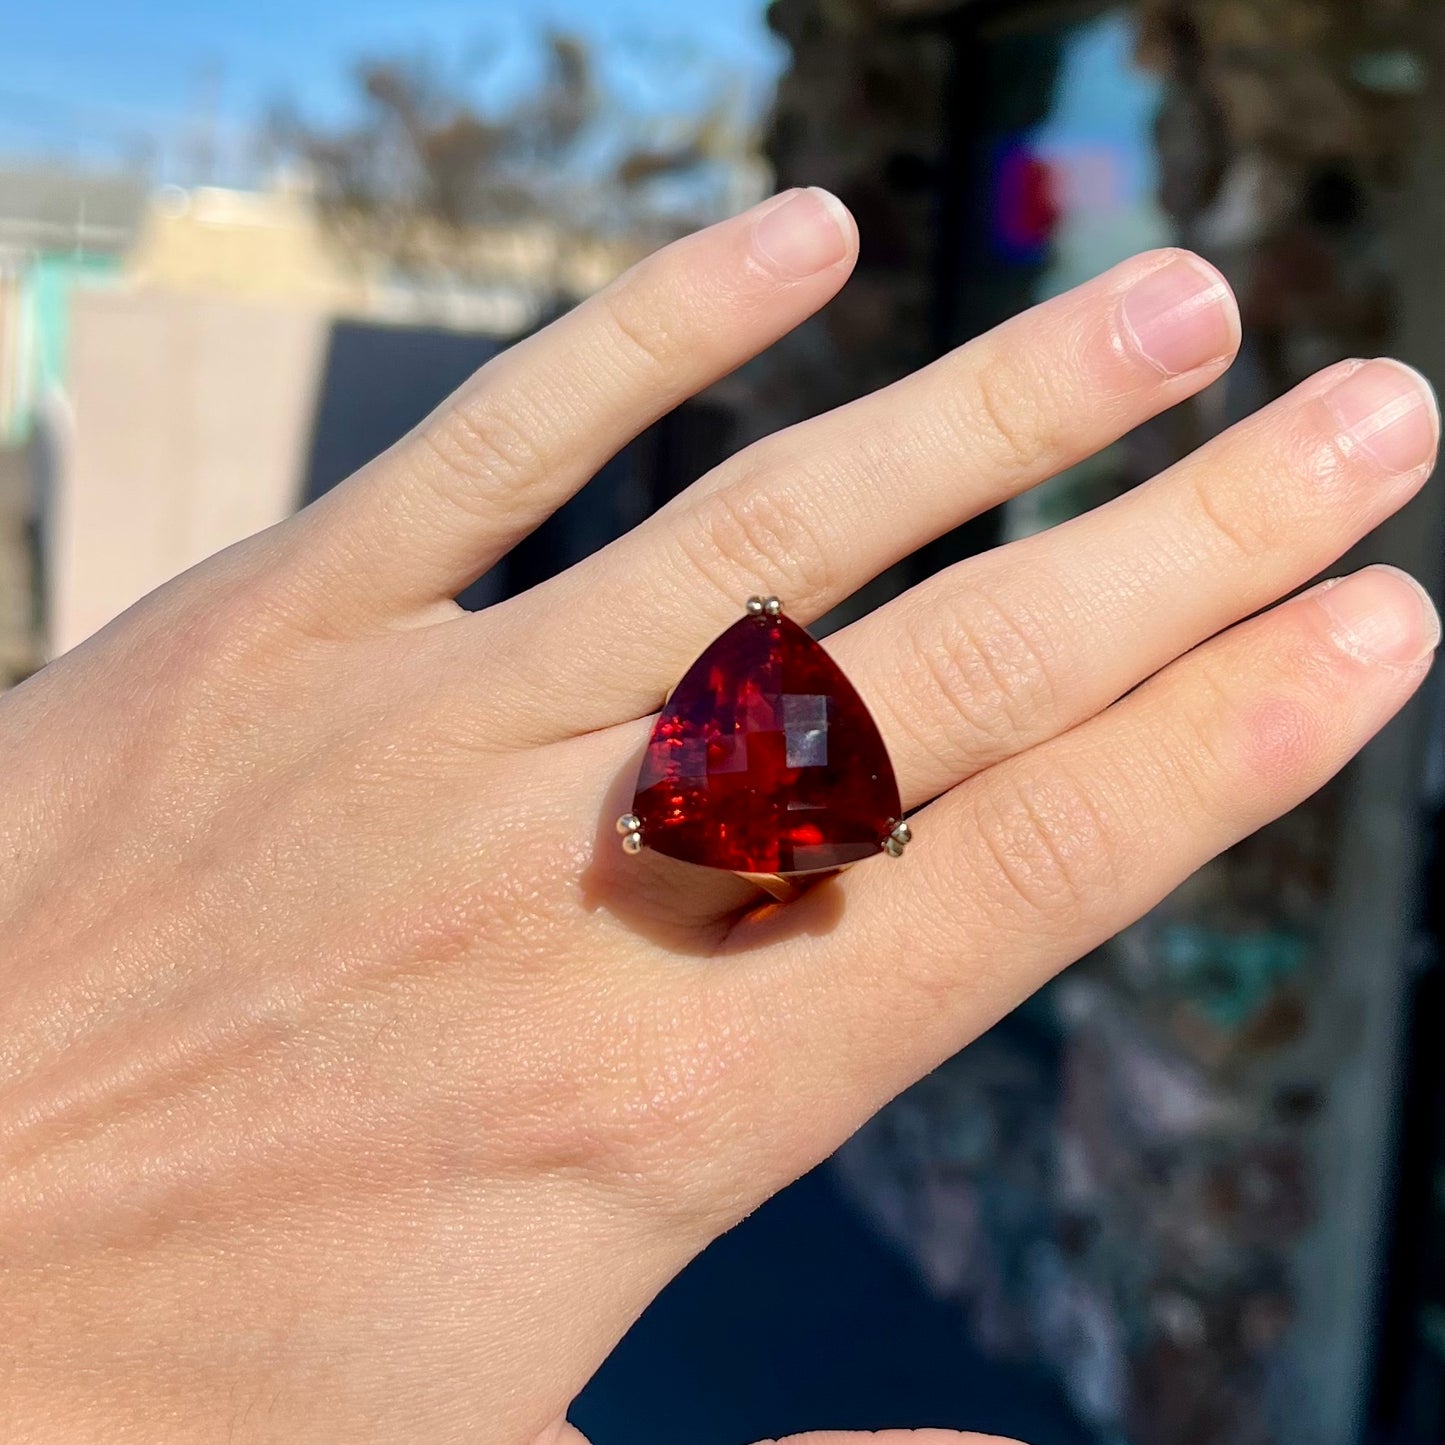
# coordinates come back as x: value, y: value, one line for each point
x: 47, y: 287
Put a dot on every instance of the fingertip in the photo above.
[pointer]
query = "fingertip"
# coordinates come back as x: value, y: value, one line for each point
x: 1380, y: 614
x: 1178, y: 313
x: 840, y: 213
x: 1386, y: 412
x: 810, y: 232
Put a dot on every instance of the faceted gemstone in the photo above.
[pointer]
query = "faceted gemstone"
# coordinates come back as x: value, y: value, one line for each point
x: 765, y: 760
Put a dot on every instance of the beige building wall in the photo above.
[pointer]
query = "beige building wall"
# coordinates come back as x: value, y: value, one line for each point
x: 266, y: 245
x: 191, y: 428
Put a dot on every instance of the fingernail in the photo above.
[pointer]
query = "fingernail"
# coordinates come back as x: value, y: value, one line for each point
x: 1181, y: 316
x: 809, y: 232
x: 1381, y: 615
x: 1388, y: 411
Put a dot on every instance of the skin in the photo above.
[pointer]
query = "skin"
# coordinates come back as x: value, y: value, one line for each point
x: 355, y: 1087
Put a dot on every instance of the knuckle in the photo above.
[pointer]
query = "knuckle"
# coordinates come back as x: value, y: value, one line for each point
x: 487, y: 454
x: 640, y: 328
x: 1194, y: 760
x: 1247, y: 509
x: 988, y: 664
x: 756, y: 536
x: 1283, y: 740
x: 212, y: 670
x: 1238, y: 745
x: 229, y: 630
x: 1051, y: 849
x: 1241, y: 531
x: 997, y: 413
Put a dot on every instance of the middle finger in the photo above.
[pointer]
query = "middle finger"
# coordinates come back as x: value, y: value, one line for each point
x: 814, y: 512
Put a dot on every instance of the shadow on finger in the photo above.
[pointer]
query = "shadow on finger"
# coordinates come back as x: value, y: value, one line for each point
x: 681, y: 906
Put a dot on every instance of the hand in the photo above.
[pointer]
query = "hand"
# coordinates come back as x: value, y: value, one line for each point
x: 355, y: 1087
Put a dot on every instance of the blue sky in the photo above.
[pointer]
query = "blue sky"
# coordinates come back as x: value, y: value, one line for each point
x: 101, y: 81
x: 93, y: 77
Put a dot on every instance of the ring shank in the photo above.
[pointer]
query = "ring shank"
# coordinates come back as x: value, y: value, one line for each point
x: 785, y: 887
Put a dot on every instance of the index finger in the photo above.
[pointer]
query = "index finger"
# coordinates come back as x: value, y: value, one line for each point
x: 496, y: 458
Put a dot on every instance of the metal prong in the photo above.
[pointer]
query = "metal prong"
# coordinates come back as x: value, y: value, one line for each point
x: 755, y: 606
x: 632, y: 843
x: 772, y: 606
x: 903, y: 833
x: 629, y: 823
x: 893, y: 848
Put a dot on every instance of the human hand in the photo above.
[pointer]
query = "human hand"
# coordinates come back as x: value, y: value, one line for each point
x: 355, y: 1087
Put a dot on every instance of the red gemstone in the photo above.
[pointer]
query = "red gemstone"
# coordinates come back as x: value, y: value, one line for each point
x: 765, y: 760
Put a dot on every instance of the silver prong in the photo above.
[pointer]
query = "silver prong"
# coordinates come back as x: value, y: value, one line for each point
x: 632, y: 843
x: 755, y: 606
x: 903, y: 833
x: 629, y: 823
x: 893, y: 848
x: 772, y: 606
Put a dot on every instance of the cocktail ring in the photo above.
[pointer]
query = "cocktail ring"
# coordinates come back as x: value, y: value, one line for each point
x: 766, y: 762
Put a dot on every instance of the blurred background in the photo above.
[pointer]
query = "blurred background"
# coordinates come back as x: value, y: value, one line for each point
x: 1194, y: 1193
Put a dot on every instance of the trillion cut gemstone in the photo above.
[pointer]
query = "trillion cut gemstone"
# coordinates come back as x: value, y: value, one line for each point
x: 765, y: 760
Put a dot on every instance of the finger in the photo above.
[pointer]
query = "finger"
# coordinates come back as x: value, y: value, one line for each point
x: 496, y: 458
x: 564, y: 1434
x: 814, y: 512
x: 559, y: 1432
x: 1026, y: 867
x: 1005, y: 650
x: 889, y: 1437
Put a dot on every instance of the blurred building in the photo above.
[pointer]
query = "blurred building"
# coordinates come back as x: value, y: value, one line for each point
x: 169, y: 358
x: 164, y: 360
